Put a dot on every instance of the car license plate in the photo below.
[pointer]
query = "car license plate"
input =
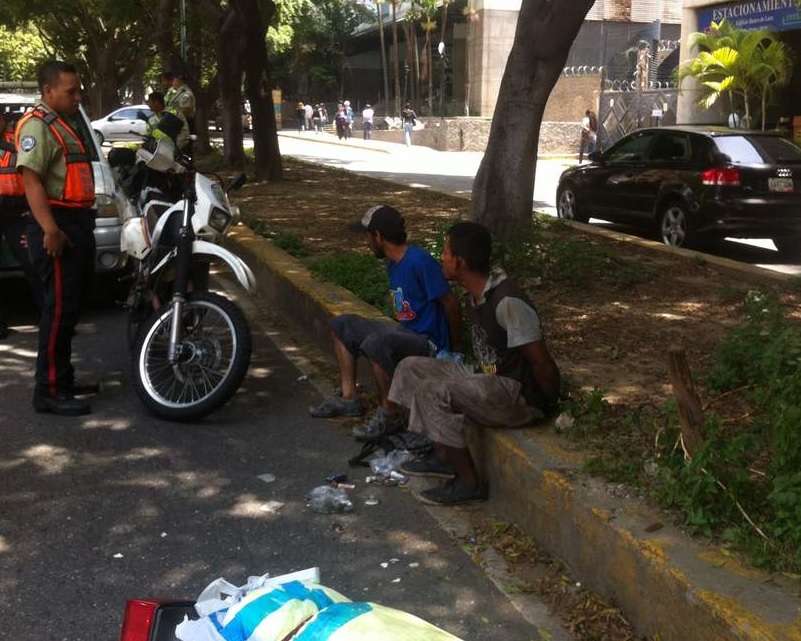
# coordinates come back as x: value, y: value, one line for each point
x: 780, y: 184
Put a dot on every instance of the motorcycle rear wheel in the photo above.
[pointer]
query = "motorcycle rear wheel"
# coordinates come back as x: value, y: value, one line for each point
x: 213, y: 360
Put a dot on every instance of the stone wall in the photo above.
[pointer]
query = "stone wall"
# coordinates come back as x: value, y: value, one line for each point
x: 559, y: 134
x: 471, y: 134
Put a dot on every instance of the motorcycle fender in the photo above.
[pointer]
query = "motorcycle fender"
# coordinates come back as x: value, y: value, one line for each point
x: 237, y: 265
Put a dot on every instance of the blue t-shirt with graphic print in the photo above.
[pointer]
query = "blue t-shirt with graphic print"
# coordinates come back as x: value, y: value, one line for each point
x: 415, y: 285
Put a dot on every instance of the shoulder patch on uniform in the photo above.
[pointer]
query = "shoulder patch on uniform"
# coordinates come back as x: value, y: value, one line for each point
x: 27, y: 143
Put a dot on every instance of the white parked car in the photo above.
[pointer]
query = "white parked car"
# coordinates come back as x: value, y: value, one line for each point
x: 125, y: 123
x: 113, y: 208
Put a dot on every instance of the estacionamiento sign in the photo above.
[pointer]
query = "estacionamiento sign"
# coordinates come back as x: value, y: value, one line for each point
x: 774, y: 15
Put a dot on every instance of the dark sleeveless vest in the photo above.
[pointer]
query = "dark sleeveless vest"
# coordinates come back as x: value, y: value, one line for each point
x: 490, y: 343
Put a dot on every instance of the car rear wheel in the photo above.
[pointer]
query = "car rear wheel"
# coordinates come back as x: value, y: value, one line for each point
x: 789, y: 247
x: 567, y: 205
x: 674, y: 225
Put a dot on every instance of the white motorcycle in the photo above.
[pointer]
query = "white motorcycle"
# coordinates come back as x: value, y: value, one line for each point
x: 191, y: 347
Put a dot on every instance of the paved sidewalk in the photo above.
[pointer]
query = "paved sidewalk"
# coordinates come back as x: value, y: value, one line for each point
x: 669, y: 586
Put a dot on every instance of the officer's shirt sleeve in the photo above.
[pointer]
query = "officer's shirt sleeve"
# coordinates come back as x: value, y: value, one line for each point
x: 35, y: 149
x: 521, y: 321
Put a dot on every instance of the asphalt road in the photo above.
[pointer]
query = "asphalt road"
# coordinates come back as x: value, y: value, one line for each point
x: 453, y: 172
x: 117, y: 504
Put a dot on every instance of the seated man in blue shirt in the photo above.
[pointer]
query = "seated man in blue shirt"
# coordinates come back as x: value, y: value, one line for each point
x: 428, y: 322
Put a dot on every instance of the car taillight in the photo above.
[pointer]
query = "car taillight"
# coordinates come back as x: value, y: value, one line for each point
x: 139, y: 617
x: 154, y: 619
x: 728, y: 176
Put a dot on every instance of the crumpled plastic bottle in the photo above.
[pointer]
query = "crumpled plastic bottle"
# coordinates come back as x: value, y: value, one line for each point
x: 454, y: 357
x: 383, y: 465
x: 329, y: 500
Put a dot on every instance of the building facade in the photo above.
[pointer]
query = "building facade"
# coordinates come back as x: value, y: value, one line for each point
x: 782, y: 17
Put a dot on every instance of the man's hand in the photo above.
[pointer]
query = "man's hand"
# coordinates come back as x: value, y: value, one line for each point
x: 55, y: 241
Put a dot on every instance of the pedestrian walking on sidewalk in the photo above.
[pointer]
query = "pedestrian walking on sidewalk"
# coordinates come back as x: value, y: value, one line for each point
x: 409, y: 119
x: 589, y: 134
x: 341, y: 122
x: 428, y: 321
x: 349, y: 118
x: 367, y: 121
x: 515, y: 383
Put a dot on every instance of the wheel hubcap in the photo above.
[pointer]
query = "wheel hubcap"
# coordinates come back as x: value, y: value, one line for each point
x: 674, y: 226
x: 567, y: 205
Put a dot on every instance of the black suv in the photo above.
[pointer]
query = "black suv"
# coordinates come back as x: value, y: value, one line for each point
x: 693, y: 183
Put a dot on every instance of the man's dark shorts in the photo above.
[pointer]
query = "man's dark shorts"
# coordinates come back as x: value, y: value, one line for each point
x: 385, y: 344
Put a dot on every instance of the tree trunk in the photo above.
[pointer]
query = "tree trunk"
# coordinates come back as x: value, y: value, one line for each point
x: 229, y: 79
x: 257, y: 77
x: 395, y: 58
x: 384, y: 65
x: 691, y: 416
x: 504, y: 185
x: 165, y: 44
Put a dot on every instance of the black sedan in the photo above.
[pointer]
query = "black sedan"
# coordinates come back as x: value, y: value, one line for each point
x: 692, y: 183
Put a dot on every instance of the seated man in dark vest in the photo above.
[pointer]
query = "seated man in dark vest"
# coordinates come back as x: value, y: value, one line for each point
x: 515, y: 383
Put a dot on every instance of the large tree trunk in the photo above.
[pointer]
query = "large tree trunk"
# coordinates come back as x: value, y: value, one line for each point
x: 229, y: 78
x: 395, y: 57
x: 504, y: 185
x: 165, y: 43
x: 384, y: 66
x: 257, y: 79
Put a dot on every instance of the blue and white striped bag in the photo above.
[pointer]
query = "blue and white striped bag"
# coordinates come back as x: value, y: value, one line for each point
x: 357, y: 621
x: 263, y: 610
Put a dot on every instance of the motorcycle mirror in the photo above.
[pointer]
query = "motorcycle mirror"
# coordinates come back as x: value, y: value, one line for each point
x: 237, y: 182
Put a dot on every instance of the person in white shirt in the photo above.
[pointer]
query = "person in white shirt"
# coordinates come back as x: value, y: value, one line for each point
x: 367, y: 121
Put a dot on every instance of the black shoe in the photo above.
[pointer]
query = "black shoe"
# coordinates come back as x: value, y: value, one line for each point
x: 453, y: 493
x: 60, y: 404
x: 431, y: 467
x: 85, y: 389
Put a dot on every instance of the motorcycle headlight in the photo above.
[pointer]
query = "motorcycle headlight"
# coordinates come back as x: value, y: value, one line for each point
x: 219, y: 219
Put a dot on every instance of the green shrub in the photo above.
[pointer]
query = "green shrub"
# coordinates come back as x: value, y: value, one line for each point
x: 362, y: 274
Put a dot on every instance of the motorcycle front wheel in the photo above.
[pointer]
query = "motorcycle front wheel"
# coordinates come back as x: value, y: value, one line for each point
x: 213, y: 358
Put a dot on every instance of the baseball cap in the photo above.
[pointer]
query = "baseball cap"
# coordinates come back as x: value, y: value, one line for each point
x: 384, y: 219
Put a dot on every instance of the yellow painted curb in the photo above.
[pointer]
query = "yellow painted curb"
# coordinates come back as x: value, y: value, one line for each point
x: 669, y: 586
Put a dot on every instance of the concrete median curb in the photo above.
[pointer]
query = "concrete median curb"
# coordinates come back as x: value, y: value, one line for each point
x: 669, y: 586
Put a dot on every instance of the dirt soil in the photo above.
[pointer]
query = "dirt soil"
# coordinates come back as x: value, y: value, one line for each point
x: 611, y: 333
x: 609, y: 327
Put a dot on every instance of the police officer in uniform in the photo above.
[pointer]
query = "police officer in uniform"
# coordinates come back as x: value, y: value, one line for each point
x: 156, y: 103
x: 59, y: 187
x: 182, y: 100
x: 13, y: 208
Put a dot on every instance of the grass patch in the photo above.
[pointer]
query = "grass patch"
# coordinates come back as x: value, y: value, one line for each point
x: 362, y: 274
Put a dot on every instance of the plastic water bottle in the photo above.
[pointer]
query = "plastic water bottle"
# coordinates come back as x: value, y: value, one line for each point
x: 329, y: 500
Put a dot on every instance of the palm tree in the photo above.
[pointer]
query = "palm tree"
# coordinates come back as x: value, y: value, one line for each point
x: 395, y: 57
x: 384, y: 67
x: 428, y: 9
x: 740, y: 64
x: 471, y: 14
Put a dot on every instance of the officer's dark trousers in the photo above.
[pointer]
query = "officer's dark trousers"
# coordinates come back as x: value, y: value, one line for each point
x: 65, y: 281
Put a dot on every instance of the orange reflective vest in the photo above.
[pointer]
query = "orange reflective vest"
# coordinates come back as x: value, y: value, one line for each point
x: 79, y: 187
x: 10, y: 179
